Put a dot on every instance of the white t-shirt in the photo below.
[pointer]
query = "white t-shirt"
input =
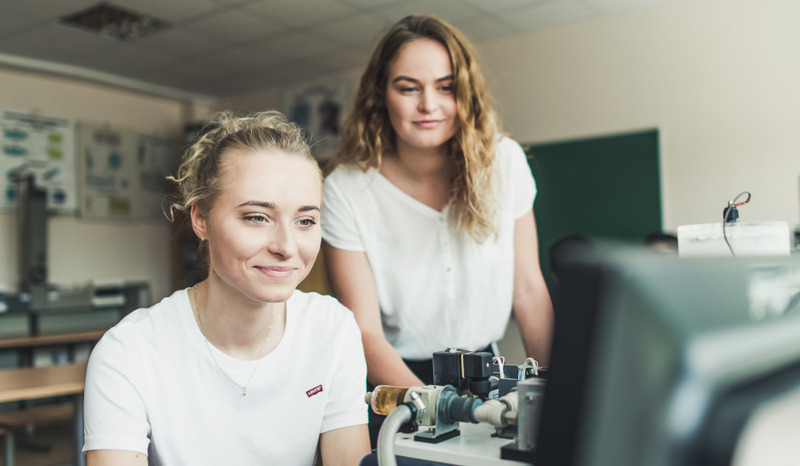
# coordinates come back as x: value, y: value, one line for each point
x: 153, y: 387
x: 437, y: 288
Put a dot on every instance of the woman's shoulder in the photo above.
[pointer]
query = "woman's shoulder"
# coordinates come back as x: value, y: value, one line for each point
x: 323, y: 311
x: 511, y: 157
x: 146, y: 326
x: 349, y: 176
x: 506, y: 146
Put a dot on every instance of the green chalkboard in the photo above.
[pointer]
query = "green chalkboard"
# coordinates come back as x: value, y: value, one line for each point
x: 602, y: 187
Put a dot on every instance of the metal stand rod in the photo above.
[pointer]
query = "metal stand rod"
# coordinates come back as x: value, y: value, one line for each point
x: 80, y: 458
x: 9, y: 460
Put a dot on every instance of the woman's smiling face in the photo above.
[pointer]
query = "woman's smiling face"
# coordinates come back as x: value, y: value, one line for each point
x: 263, y: 230
x: 419, y: 95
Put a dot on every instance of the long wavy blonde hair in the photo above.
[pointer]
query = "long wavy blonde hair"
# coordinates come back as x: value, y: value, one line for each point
x: 367, y: 133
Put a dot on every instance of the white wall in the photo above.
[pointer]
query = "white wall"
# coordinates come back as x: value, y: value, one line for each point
x: 80, y: 251
x: 720, y: 79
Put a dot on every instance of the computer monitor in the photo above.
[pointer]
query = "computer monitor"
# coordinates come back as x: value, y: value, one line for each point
x: 660, y: 361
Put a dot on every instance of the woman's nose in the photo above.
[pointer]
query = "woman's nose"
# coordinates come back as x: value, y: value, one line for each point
x: 427, y: 101
x: 282, y: 242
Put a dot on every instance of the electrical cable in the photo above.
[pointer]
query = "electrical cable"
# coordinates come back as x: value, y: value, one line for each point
x: 501, y: 362
x: 731, y: 206
x: 534, y: 365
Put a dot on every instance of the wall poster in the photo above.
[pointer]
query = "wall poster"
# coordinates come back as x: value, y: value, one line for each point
x: 155, y: 160
x: 44, y: 146
x: 123, y: 174
x: 107, y: 172
x: 319, y: 110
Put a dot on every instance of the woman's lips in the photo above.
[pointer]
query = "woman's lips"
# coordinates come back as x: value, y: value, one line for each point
x: 427, y: 123
x: 276, y: 272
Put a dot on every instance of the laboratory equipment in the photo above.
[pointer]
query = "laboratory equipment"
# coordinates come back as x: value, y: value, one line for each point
x: 745, y: 238
x: 658, y: 361
x: 41, y: 308
x: 434, y: 413
x: 464, y: 370
x: 734, y: 238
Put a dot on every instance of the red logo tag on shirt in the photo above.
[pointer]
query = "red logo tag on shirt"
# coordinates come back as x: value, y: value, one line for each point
x: 314, y: 391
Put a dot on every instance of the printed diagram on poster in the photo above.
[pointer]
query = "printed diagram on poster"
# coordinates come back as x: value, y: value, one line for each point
x: 155, y: 160
x: 123, y: 173
x: 44, y: 146
x: 107, y: 172
x: 319, y: 110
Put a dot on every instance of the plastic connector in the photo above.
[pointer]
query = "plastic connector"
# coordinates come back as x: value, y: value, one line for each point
x: 411, y: 426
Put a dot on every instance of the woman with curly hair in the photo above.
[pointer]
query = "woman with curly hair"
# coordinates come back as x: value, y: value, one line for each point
x: 428, y: 228
x: 241, y: 368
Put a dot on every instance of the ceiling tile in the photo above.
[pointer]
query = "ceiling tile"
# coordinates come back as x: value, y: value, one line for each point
x: 486, y: 28
x: 229, y: 3
x: 368, y: 4
x: 342, y: 60
x: 176, y: 74
x: 56, y: 43
x: 295, y: 45
x: 176, y: 11
x: 233, y: 26
x: 547, y: 15
x: 274, y: 75
x: 299, y: 13
x: 10, y: 25
x: 359, y: 30
x: 126, y: 60
x: 232, y: 62
x: 41, y: 10
x: 450, y: 10
x: 605, y: 7
x: 178, y: 44
x: 492, y: 6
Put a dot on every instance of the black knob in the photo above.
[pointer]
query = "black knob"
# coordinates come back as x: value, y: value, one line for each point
x: 480, y: 387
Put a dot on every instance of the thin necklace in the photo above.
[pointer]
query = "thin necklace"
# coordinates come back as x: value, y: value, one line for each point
x: 208, y: 345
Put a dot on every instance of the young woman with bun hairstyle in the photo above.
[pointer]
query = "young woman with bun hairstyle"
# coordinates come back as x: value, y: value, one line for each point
x: 428, y: 228
x: 241, y: 368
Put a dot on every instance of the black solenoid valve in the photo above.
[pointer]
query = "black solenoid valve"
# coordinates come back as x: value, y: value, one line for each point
x: 464, y: 370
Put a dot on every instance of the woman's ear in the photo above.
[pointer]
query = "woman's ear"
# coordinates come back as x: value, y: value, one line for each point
x: 199, y: 222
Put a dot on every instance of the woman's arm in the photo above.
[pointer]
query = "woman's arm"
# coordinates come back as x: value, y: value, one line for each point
x: 115, y: 458
x: 345, y: 446
x: 532, y: 306
x: 353, y: 284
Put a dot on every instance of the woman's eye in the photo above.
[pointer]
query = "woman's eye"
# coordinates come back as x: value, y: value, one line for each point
x: 307, y: 222
x: 408, y: 89
x: 446, y: 88
x: 256, y: 219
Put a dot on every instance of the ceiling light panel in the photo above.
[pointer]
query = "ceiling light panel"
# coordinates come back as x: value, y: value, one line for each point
x: 114, y: 22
